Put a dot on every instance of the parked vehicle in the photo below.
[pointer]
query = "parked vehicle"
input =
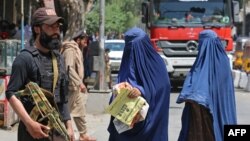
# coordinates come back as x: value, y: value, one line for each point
x: 238, y: 53
x: 246, y: 57
x: 115, y: 48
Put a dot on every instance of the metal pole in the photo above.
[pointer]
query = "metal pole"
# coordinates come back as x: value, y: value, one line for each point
x: 101, y: 45
x: 4, y: 10
x: 14, y: 19
x: 244, y: 18
x: 30, y: 9
x: 22, y: 25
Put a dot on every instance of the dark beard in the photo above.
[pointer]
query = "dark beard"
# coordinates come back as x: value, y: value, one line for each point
x: 48, y: 42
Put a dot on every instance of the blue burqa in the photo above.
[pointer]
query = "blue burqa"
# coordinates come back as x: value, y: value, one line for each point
x: 144, y: 69
x: 210, y: 84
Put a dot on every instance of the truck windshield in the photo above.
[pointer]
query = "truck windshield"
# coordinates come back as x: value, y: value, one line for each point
x: 190, y: 12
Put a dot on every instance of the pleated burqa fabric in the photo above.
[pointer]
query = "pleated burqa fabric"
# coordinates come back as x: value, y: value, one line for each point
x: 208, y: 93
x: 144, y: 69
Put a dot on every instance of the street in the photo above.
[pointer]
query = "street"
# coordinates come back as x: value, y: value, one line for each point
x: 97, y: 123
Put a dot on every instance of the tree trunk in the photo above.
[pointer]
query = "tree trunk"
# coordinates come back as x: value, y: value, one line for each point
x: 73, y: 12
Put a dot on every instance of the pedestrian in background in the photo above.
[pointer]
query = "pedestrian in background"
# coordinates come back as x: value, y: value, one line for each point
x: 246, y: 57
x: 107, y: 75
x: 86, y: 61
x: 143, y: 68
x: 71, y: 50
x: 34, y: 63
x: 208, y: 93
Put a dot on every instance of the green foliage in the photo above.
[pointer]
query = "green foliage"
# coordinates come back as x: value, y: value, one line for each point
x: 92, y: 20
x: 119, y: 16
x: 114, y: 19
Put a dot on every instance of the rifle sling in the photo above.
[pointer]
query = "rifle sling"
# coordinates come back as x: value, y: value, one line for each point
x: 55, y: 78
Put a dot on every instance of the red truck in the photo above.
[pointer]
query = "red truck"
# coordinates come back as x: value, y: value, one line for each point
x: 174, y: 26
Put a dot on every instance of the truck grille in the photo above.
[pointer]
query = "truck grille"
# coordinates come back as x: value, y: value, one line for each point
x: 179, y: 48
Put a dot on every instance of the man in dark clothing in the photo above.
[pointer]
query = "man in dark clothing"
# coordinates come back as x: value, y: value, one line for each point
x: 35, y: 64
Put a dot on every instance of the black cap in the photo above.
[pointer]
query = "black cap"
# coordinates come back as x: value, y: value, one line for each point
x: 45, y: 15
x: 79, y: 34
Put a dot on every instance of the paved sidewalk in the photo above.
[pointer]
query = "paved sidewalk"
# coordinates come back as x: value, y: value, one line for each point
x: 97, y: 123
x: 97, y: 126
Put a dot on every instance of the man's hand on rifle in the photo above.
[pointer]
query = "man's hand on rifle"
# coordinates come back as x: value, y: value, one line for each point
x: 71, y: 134
x: 70, y: 130
x: 37, y: 130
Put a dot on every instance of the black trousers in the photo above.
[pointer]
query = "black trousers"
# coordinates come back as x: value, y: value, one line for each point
x: 23, y: 134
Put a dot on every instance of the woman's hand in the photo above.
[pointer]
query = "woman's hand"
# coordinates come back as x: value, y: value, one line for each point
x: 125, y: 85
x: 135, y: 92
x: 136, y: 119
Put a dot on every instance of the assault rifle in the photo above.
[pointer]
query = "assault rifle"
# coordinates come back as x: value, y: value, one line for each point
x: 43, y: 100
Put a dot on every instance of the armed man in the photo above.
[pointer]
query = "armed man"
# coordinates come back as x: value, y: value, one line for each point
x: 41, y: 64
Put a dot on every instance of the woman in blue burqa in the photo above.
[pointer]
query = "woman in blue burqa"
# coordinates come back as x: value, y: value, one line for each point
x: 144, y: 69
x: 208, y: 93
